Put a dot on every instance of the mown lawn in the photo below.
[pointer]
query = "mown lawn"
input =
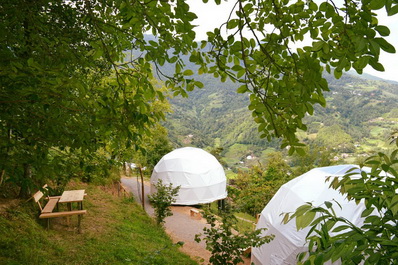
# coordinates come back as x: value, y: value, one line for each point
x: 115, y: 231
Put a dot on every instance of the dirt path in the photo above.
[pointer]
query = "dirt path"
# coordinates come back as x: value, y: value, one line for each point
x: 180, y: 226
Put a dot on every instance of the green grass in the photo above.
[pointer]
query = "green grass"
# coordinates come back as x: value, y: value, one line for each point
x: 246, y: 222
x: 230, y: 174
x: 235, y: 153
x: 376, y: 131
x: 266, y: 152
x: 115, y: 231
x: 350, y: 160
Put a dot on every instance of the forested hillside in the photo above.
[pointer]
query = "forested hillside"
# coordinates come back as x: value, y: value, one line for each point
x: 359, y: 117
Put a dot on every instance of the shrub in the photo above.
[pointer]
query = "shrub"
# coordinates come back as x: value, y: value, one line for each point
x: 162, y: 199
x: 224, y: 243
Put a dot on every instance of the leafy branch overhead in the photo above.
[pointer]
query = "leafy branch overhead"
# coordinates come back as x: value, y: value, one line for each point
x: 68, y: 82
x: 67, y: 86
x: 266, y: 48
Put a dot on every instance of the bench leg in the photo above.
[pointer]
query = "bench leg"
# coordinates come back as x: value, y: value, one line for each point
x: 48, y: 223
x: 79, y: 219
x: 69, y: 205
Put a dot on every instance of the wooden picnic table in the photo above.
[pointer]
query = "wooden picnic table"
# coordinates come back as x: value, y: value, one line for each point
x: 70, y: 196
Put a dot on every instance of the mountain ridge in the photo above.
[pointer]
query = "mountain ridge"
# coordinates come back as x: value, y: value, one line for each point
x: 217, y: 116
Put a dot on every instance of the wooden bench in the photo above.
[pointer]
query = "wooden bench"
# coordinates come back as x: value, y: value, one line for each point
x: 47, y: 212
x: 194, y: 212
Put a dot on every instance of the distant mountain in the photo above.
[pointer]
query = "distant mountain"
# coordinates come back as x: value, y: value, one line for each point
x: 370, y: 77
x: 362, y: 111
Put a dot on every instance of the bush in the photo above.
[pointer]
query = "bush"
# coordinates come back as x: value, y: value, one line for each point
x: 162, y: 200
x: 224, y: 243
x: 255, y: 187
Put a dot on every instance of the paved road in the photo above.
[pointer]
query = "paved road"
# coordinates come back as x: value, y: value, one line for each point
x: 180, y: 226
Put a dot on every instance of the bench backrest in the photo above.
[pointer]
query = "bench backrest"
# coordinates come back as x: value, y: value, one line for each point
x: 38, y: 195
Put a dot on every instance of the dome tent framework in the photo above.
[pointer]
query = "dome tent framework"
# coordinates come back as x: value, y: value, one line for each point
x: 310, y: 187
x: 200, y: 176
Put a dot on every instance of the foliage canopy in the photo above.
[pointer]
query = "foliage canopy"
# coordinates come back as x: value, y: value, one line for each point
x: 285, y: 83
x: 67, y: 83
x: 255, y: 187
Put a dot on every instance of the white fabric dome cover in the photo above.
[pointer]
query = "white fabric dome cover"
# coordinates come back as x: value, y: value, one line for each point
x: 200, y: 176
x: 309, y: 187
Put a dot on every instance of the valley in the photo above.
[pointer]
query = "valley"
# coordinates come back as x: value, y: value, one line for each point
x: 360, y: 116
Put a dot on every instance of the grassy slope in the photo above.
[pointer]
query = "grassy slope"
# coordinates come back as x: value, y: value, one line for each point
x: 115, y: 231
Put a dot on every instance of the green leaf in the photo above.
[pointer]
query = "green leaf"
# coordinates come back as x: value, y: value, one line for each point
x: 341, y: 228
x: 393, y: 10
x: 383, y: 30
x: 291, y: 152
x: 328, y: 204
x: 377, y: 4
x: 242, y: 89
x: 337, y: 73
x: 300, y: 151
x: 188, y: 72
x: 377, y: 66
x: 387, y: 47
x: 317, y: 46
x: 232, y: 23
x: 286, y: 218
x: 198, y: 84
x: 313, y: 6
x: 361, y: 62
x: 30, y: 61
x: 367, y: 212
x: 319, y: 259
x: 302, y: 209
x: 307, y: 218
x: 260, y: 107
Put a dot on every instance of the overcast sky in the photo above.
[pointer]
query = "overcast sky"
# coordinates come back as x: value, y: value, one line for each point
x: 211, y: 16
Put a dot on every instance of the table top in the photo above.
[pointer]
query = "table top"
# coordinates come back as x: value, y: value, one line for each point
x: 72, y: 196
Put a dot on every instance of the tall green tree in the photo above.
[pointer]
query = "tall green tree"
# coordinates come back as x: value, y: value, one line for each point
x: 255, y: 187
x: 55, y: 56
x: 65, y: 83
x: 315, y: 156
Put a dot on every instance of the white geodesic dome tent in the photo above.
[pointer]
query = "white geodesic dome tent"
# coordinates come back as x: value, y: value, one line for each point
x: 198, y: 173
x: 309, y: 187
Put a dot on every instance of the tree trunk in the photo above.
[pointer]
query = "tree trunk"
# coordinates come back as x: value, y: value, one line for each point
x: 25, y: 184
x: 3, y: 172
x: 142, y: 189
